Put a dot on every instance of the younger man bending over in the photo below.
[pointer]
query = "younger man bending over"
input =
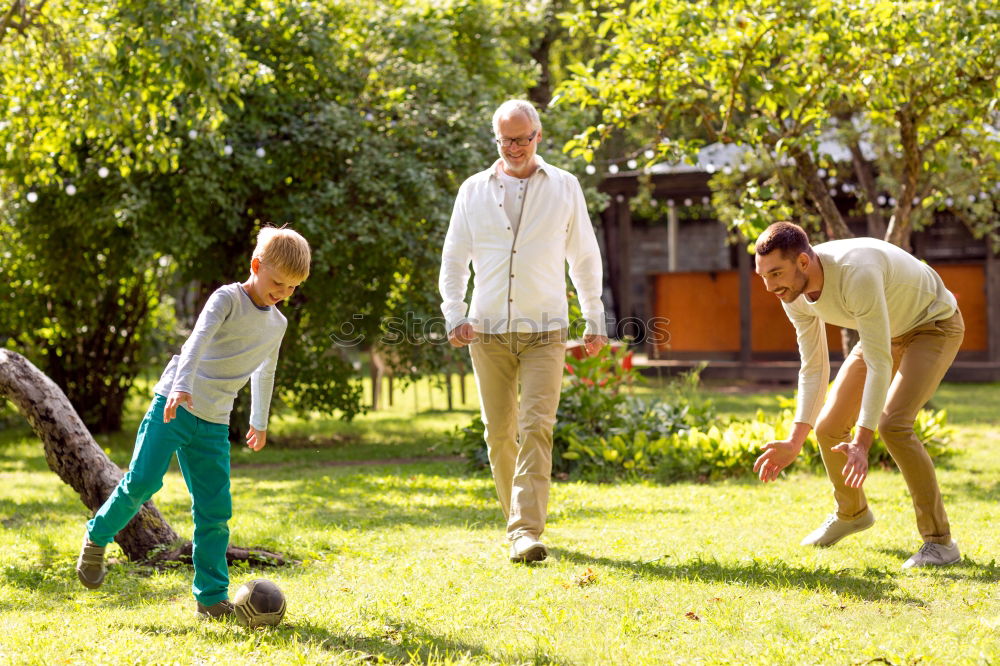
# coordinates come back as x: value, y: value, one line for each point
x: 910, y: 329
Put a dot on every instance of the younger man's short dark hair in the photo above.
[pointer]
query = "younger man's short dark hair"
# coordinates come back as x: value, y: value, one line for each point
x: 785, y: 237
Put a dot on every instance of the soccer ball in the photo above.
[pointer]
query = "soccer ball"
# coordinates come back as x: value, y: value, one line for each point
x: 259, y: 602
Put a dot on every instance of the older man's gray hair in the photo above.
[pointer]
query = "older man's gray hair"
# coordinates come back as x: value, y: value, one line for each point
x: 513, y: 106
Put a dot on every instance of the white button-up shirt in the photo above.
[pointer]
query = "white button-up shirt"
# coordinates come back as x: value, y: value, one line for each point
x: 520, y: 276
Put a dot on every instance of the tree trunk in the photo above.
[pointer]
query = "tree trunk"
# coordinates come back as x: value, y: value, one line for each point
x: 19, y: 16
x: 239, y: 418
x: 848, y: 338
x: 901, y: 223
x: 866, y: 178
x: 96, y: 369
x: 72, y: 453
x: 541, y: 52
x: 377, y: 371
x: 836, y: 228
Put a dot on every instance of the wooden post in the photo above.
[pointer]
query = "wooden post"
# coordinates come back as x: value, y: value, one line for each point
x: 461, y: 384
x: 746, y: 337
x: 610, y: 217
x: 390, y: 390
x: 992, y: 269
x: 624, y: 257
x: 671, y: 236
x: 447, y: 382
x: 72, y: 453
x: 377, y: 370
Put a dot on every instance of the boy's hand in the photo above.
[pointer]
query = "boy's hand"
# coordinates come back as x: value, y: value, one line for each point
x: 176, y: 398
x: 256, y: 439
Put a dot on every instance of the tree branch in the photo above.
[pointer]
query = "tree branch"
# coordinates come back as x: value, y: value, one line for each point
x: 72, y: 453
x: 739, y: 74
x: 866, y: 178
x: 954, y: 130
x: 900, y: 224
x: 19, y: 8
x: 816, y: 187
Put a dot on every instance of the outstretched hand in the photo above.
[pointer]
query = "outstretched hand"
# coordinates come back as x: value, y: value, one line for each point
x: 776, y: 457
x: 856, y: 470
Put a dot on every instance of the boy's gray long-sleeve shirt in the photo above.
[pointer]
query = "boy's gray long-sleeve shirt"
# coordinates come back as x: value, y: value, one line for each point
x: 234, y: 340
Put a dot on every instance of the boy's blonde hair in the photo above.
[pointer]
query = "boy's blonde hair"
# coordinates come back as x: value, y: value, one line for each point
x: 285, y: 250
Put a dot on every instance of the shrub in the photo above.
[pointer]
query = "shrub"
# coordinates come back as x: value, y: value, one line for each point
x: 603, y: 431
x: 599, y: 419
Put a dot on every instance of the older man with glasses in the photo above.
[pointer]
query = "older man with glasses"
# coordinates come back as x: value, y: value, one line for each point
x: 518, y: 223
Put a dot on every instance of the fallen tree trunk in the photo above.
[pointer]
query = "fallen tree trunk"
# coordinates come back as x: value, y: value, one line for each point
x: 72, y: 453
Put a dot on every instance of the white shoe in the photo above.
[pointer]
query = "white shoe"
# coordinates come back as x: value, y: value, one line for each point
x: 835, y: 529
x: 528, y: 549
x: 934, y: 555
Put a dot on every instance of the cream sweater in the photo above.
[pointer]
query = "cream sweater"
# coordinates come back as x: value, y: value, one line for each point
x: 881, y: 291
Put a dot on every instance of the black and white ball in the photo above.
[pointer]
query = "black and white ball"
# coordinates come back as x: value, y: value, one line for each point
x: 259, y: 602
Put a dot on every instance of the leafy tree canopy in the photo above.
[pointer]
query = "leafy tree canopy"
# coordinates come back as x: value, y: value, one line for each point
x: 131, y: 78
x: 916, y: 80
x: 353, y: 122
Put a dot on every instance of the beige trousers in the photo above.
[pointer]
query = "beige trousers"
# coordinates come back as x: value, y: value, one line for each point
x: 920, y: 358
x: 519, y: 433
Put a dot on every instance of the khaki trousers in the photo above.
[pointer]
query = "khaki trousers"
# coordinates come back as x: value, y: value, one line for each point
x: 920, y: 358
x: 519, y: 433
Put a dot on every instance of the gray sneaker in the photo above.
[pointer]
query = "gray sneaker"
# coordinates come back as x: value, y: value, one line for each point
x: 934, y: 555
x: 90, y: 565
x: 835, y: 529
x: 218, y: 611
x: 528, y: 549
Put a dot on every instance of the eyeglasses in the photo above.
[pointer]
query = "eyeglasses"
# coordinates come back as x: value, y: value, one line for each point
x: 521, y: 140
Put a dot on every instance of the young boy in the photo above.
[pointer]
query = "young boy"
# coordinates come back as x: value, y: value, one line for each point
x: 235, y: 339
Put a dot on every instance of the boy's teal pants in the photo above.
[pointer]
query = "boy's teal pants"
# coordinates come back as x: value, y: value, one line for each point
x: 202, y: 449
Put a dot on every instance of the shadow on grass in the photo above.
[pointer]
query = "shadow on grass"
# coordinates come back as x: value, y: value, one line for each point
x: 559, y: 515
x: 14, y: 515
x: 418, y: 495
x: 963, y: 570
x: 125, y: 586
x: 872, y: 587
x: 47, y: 577
x: 396, y: 641
x: 982, y: 492
x: 401, y: 640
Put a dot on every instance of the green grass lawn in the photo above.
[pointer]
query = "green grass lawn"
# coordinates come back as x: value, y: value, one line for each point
x: 406, y: 562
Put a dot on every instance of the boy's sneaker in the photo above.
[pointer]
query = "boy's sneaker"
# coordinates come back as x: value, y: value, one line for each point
x: 934, y: 555
x: 835, y: 529
x: 528, y: 549
x: 217, y: 611
x: 90, y: 565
